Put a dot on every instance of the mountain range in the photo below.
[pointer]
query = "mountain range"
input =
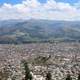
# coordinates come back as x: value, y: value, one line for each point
x: 26, y: 31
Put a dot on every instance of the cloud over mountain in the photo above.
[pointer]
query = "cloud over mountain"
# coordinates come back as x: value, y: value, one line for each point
x: 34, y: 9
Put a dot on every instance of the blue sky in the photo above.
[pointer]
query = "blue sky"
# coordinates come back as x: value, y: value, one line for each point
x: 10, y: 1
x: 68, y: 1
x: 42, y: 1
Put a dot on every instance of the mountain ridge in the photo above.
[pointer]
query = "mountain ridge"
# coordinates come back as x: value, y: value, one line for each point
x: 24, y: 31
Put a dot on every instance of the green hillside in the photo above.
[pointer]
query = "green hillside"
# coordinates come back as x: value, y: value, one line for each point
x: 25, y: 31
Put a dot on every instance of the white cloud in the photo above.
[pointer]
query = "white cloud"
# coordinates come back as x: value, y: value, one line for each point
x: 34, y: 9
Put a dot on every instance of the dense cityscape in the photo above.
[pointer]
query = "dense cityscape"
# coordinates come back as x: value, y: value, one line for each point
x: 60, y: 59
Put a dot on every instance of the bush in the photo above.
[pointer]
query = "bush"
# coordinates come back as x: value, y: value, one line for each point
x: 79, y: 76
x: 68, y: 77
x: 48, y: 76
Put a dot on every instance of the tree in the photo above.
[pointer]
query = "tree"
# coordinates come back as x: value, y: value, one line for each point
x: 68, y: 77
x: 79, y: 76
x: 48, y: 76
x: 28, y: 75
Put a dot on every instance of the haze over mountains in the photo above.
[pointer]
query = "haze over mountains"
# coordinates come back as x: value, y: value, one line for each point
x: 24, y: 31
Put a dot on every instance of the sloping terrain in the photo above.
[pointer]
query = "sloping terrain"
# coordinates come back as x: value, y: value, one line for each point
x: 24, y: 31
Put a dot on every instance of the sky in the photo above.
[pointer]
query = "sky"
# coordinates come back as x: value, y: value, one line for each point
x: 41, y: 1
x: 40, y: 9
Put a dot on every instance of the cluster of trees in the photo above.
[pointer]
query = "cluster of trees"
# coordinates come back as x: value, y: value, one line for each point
x: 70, y: 78
x: 28, y: 76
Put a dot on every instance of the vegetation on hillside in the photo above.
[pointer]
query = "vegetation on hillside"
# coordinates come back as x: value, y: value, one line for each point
x: 33, y: 31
